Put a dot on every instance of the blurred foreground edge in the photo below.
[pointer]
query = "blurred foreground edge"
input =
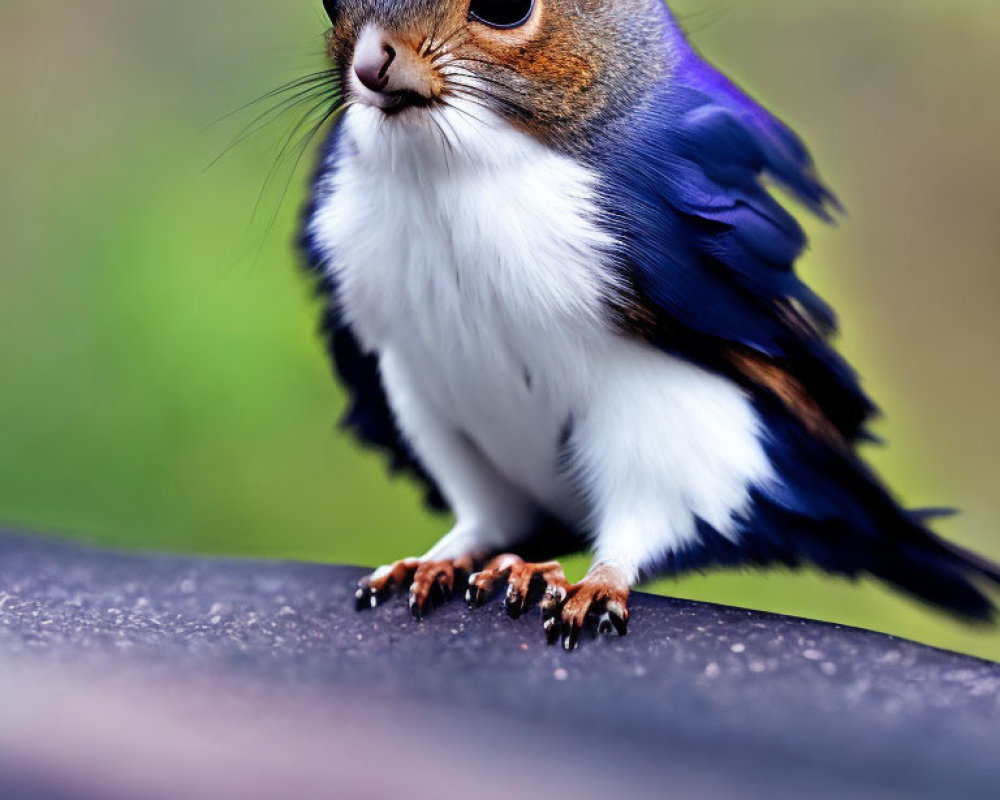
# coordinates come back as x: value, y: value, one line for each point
x: 128, y: 676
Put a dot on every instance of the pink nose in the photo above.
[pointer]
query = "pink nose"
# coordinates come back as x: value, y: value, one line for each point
x: 373, y: 57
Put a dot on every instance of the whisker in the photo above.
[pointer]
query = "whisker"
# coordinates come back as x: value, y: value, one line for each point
x: 488, y: 101
x: 442, y: 55
x: 312, y: 78
x: 436, y: 49
x: 430, y: 39
x: 444, y: 134
x: 471, y: 60
x: 450, y: 124
x: 304, y: 144
x: 472, y: 98
x: 282, y: 155
x: 446, y: 144
x: 467, y: 113
x: 485, y: 95
x: 481, y: 126
x: 478, y: 125
x: 486, y: 79
x: 265, y: 118
x: 712, y: 15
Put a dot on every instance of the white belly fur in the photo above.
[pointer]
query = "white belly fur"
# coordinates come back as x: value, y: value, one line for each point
x: 483, y: 269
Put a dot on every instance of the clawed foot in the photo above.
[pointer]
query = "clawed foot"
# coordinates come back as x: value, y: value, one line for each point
x: 525, y: 582
x: 601, y: 596
x: 429, y: 582
x: 598, y: 602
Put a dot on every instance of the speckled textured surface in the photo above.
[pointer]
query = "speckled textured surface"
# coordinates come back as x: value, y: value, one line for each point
x: 705, y: 699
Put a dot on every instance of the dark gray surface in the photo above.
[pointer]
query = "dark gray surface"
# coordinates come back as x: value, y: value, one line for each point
x: 703, y: 700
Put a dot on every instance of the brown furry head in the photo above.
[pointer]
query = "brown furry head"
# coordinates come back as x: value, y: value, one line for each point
x: 553, y: 68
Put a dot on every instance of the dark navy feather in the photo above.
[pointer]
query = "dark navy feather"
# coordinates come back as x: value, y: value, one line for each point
x: 706, y: 245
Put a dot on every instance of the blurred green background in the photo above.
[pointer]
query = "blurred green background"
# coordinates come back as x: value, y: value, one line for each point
x: 163, y: 387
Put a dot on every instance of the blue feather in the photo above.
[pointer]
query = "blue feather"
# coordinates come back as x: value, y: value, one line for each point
x: 713, y: 252
x: 707, y: 245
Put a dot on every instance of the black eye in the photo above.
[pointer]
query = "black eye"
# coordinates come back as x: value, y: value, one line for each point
x: 501, y: 13
x: 331, y: 8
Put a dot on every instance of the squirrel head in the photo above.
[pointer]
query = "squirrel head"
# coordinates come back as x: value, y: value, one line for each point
x: 553, y: 68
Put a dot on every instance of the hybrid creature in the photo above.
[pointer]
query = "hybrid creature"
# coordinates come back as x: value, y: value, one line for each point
x: 562, y: 298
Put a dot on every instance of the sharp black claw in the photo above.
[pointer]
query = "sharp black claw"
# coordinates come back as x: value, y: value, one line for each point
x: 549, y: 605
x: 571, y: 637
x: 513, y: 604
x: 477, y: 596
x: 416, y: 609
x: 618, y: 617
x: 367, y: 598
x: 551, y: 628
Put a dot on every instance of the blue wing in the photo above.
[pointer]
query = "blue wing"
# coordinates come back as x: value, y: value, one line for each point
x: 708, y: 249
x: 710, y: 255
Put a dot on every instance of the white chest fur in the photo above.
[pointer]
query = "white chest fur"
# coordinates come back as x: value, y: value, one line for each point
x: 482, y: 267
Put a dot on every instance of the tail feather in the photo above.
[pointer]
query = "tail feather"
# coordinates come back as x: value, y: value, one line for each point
x: 973, y: 561
x: 934, y: 580
x: 835, y: 513
x: 950, y: 569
